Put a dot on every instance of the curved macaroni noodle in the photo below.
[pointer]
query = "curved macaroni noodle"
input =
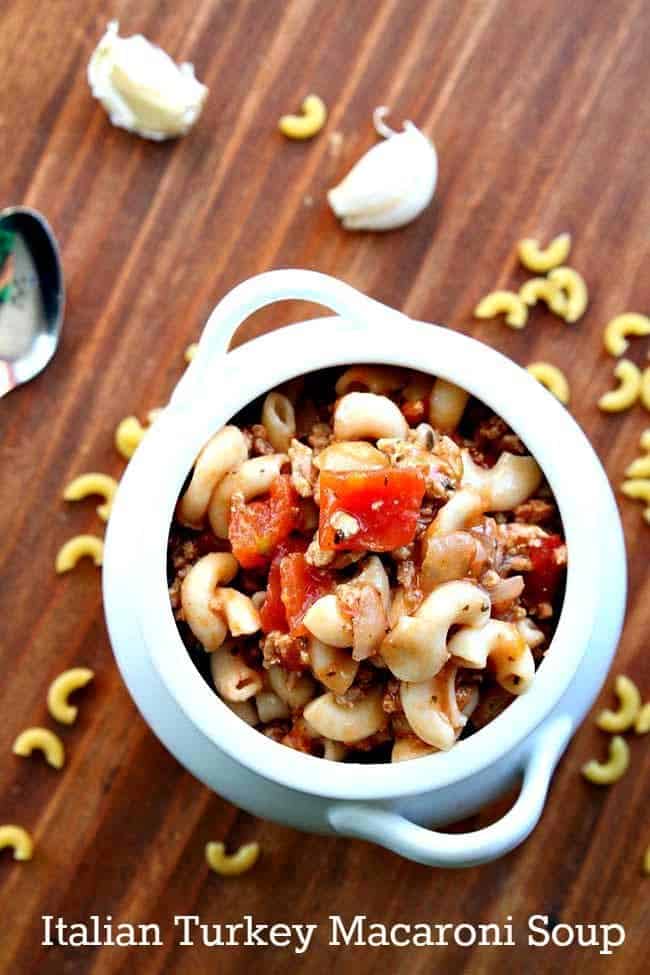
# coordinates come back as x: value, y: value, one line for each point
x: 638, y: 489
x: 372, y: 379
x: 233, y: 678
x: 548, y: 291
x: 503, y: 644
x: 44, y: 741
x: 253, y: 477
x: 551, y: 377
x: 128, y: 436
x: 628, y: 391
x: 541, y: 260
x: 617, y: 330
x: 367, y: 416
x: 506, y: 303
x: 447, y: 404
x: 618, y: 760
x: 327, y: 623
x: 60, y: 690
x: 93, y: 483
x: 642, y: 723
x: 234, y: 864
x: 78, y: 547
x: 311, y: 120
x: 280, y: 421
x: 348, y: 723
x: 222, y: 453
x: 630, y: 704
x: 645, y: 388
x: 197, y: 592
x: 18, y: 839
x: 574, y: 285
x: 511, y: 481
x: 639, y: 468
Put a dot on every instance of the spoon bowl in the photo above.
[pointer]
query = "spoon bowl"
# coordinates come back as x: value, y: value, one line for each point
x: 31, y: 296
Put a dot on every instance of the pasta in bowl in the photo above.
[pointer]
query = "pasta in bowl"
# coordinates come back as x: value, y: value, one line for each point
x: 367, y: 564
x: 208, y: 469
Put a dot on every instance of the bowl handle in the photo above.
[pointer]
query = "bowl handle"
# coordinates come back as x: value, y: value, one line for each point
x: 262, y: 290
x: 397, y: 833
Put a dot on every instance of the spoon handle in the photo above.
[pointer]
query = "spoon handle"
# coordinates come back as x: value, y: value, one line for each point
x: 7, y: 378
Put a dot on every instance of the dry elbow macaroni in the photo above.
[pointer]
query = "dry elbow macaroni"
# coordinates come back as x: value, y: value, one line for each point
x: 18, y: 839
x: 346, y: 603
x: 507, y: 303
x: 627, y: 393
x: 234, y: 864
x: 541, y: 260
x: 79, y: 547
x: 575, y: 289
x: 549, y: 291
x: 610, y: 771
x: 60, y: 690
x: 87, y: 484
x: 630, y: 704
x: 308, y: 123
x: 553, y: 378
x: 43, y: 740
x: 617, y: 330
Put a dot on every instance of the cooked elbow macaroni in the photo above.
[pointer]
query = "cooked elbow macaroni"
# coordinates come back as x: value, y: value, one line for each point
x: 231, y: 865
x: 60, y: 690
x: 367, y: 582
x: 43, y: 740
x: 87, y: 484
x: 543, y: 259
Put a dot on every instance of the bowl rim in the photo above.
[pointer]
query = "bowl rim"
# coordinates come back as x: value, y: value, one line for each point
x: 259, y: 365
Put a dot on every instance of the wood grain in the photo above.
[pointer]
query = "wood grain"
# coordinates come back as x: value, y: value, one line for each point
x: 540, y: 116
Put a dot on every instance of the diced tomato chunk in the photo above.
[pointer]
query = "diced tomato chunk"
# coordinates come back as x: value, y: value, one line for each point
x: 273, y: 613
x: 302, y: 584
x: 258, y: 527
x: 384, y: 503
x: 543, y: 581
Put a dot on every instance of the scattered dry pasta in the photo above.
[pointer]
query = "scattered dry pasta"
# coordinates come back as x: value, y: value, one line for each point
x: 645, y: 388
x: 642, y: 723
x: 639, y: 467
x: 629, y: 377
x: 638, y: 490
x: 77, y: 548
x: 191, y: 351
x: 627, y: 713
x: 60, y: 690
x: 573, y: 284
x: 93, y: 483
x: 550, y: 292
x: 618, y: 760
x: 234, y: 864
x: 646, y: 862
x: 506, y: 303
x: 552, y: 378
x: 17, y: 838
x: 544, y: 259
x: 128, y: 435
x: 616, y: 331
x: 645, y: 440
x: 43, y: 740
x: 311, y: 120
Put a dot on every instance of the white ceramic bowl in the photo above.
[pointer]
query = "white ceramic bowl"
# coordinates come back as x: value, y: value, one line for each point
x: 384, y: 803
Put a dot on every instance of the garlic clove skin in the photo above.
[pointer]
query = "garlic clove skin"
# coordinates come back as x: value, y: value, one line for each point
x: 142, y: 88
x: 390, y: 185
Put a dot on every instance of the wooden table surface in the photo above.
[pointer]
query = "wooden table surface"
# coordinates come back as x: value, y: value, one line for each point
x: 540, y: 114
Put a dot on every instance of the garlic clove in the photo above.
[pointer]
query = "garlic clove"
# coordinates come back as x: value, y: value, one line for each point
x: 142, y: 88
x: 391, y: 184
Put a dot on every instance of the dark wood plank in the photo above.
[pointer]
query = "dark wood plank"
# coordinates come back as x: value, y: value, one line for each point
x: 539, y: 116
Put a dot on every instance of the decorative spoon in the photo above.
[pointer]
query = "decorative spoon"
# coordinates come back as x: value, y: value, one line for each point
x: 31, y: 296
